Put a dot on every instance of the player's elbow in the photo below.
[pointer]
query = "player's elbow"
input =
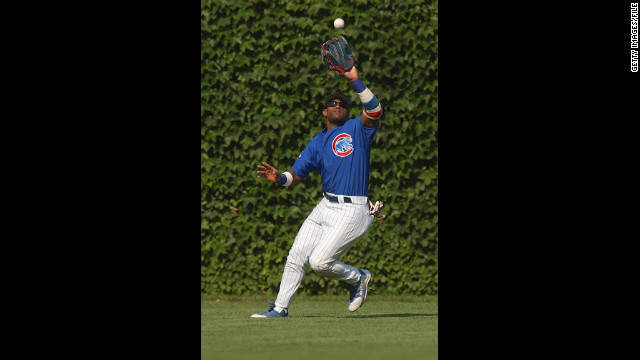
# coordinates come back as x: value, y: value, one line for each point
x: 373, y: 114
x: 372, y: 107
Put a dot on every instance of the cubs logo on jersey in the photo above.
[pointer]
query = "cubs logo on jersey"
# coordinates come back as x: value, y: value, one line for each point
x: 342, y: 145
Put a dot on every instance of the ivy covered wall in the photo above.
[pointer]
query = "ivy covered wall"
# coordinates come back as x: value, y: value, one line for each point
x: 262, y: 88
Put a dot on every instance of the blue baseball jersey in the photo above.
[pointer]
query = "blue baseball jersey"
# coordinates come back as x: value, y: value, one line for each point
x: 342, y: 157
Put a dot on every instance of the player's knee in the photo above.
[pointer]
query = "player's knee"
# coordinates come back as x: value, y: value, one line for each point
x: 319, y: 265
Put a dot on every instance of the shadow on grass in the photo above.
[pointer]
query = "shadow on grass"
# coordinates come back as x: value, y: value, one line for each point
x: 392, y: 315
x: 372, y: 316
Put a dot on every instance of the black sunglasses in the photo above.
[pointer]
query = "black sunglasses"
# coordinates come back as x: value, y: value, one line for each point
x: 335, y: 103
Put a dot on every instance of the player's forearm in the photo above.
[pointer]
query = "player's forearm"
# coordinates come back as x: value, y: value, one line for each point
x: 372, y: 107
x: 289, y: 178
x: 296, y: 179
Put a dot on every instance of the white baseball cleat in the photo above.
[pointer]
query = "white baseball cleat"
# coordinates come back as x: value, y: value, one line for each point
x: 358, y: 292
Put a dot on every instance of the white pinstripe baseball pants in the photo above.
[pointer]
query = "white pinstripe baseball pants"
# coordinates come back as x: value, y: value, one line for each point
x: 326, y: 234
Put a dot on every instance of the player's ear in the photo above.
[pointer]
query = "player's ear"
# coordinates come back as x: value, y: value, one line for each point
x: 324, y: 112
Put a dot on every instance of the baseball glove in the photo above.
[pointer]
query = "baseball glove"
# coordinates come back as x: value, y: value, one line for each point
x: 337, y: 55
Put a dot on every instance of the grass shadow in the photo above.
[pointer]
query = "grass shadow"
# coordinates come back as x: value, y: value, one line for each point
x: 392, y: 315
x: 363, y: 316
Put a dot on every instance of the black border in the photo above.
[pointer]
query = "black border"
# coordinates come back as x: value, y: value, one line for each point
x: 100, y: 153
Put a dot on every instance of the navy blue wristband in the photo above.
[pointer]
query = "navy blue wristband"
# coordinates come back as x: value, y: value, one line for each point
x: 283, y: 179
x: 358, y: 85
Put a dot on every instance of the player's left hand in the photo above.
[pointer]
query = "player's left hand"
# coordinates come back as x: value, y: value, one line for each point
x: 375, y: 209
x: 351, y: 75
x: 269, y: 172
x: 337, y: 55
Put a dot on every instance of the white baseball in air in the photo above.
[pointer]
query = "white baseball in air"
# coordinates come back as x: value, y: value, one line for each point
x: 338, y: 23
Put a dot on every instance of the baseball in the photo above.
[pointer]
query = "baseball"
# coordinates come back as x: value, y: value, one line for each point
x: 338, y: 23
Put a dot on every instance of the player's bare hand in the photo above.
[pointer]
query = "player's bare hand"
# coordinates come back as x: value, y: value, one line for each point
x: 352, y: 74
x: 269, y: 172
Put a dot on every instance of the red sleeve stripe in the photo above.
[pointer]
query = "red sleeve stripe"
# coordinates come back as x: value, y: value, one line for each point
x: 374, y: 113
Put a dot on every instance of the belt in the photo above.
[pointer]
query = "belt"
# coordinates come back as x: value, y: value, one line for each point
x: 335, y: 199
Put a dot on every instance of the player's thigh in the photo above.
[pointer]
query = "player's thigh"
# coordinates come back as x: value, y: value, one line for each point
x: 351, y: 220
x: 342, y: 227
x: 308, y: 236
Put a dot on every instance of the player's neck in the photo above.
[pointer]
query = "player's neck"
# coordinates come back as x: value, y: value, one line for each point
x: 333, y: 125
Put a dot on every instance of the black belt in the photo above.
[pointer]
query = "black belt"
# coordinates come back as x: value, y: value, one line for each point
x: 335, y: 198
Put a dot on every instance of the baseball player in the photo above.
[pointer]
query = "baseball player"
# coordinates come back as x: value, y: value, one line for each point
x: 341, y: 153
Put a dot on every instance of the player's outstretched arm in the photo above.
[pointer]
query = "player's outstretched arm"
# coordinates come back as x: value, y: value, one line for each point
x: 337, y: 55
x: 272, y: 174
x: 372, y: 109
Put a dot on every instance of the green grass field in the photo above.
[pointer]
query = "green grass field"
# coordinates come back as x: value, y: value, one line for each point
x: 321, y: 327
